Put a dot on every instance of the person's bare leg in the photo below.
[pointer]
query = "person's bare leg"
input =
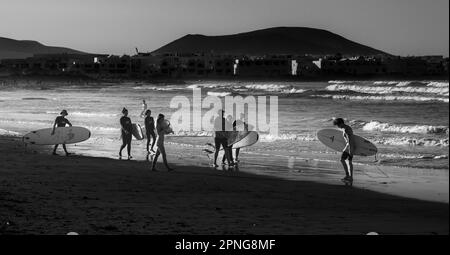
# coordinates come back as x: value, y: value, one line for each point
x: 344, y: 164
x: 155, y: 160
x: 129, y: 149
x: 216, y: 152
x: 54, y: 149
x: 164, y: 156
x: 65, y: 150
x: 153, y: 142
x: 350, y: 167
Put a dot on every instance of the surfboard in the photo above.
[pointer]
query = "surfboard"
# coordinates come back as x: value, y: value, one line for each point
x: 137, y: 132
x: 63, y: 135
x: 235, y: 136
x: 334, y: 139
x: 167, y: 127
x: 250, y: 139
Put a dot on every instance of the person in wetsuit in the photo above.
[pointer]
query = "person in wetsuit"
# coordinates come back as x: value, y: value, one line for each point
x: 150, y: 130
x: 127, y: 129
x: 347, y: 152
x: 221, y: 138
x: 61, y: 121
x: 162, y: 131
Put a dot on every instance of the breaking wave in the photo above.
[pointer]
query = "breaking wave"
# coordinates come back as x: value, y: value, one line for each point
x: 9, y: 133
x: 385, y: 98
x: 419, y: 129
x: 389, y: 90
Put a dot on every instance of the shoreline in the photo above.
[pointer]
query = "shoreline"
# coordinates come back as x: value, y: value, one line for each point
x: 40, y: 80
x: 43, y: 194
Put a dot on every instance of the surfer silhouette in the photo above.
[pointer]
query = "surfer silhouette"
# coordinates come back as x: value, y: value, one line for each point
x: 61, y: 121
x: 162, y: 129
x: 221, y: 138
x: 150, y: 130
x: 237, y: 125
x: 127, y: 129
x: 347, y: 152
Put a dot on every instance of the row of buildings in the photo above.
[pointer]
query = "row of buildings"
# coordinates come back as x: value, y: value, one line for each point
x: 194, y: 65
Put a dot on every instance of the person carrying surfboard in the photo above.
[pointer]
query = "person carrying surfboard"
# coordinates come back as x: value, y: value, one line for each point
x: 347, y: 152
x: 126, y: 128
x: 61, y: 121
x: 238, y: 124
x: 221, y: 138
x: 162, y: 128
x: 150, y: 130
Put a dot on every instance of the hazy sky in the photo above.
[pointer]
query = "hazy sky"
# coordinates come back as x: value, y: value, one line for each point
x: 403, y: 27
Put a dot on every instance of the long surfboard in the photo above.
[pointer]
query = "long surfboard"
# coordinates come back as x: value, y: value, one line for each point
x: 249, y: 139
x: 63, y: 135
x: 334, y: 139
x: 137, y: 132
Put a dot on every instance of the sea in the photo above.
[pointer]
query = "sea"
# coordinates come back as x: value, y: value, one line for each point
x: 407, y: 120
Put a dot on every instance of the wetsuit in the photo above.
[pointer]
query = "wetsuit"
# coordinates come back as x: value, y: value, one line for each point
x: 126, y: 124
x: 61, y: 121
x: 347, y: 132
x: 150, y: 130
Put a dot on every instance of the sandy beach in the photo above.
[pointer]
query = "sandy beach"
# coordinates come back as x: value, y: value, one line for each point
x: 42, y: 194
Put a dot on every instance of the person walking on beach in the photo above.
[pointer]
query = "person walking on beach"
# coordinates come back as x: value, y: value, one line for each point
x: 238, y: 125
x: 126, y: 129
x: 162, y: 129
x: 221, y: 138
x: 61, y: 121
x: 144, y: 108
x: 347, y: 152
x: 150, y: 130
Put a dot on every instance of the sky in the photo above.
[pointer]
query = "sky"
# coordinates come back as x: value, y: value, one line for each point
x: 400, y: 27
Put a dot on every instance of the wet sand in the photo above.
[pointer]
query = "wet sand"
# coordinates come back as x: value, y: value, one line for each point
x: 42, y: 194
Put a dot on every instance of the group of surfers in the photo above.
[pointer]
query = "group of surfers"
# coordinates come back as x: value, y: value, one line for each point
x: 156, y: 133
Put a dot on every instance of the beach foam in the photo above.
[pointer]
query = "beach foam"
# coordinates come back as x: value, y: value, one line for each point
x: 9, y: 133
x: 420, y: 129
x: 385, y: 98
x: 388, y: 90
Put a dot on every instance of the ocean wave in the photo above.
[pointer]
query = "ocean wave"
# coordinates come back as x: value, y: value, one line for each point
x: 410, y: 141
x: 93, y: 114
x: 158, y: 88
x: 388, y: 83
x: 9, y: 133
x: 420, y: 129
x: 384, y: 98
x: 410, y: 156
x: 388, y: 90
x: 339, y: 82
x: 218, y: 94
x: 86, y: 114
x: 438, y: 84
x: 290, y: 137
x: 35, y: 98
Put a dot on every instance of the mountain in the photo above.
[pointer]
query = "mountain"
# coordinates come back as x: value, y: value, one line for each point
x: 10, y: 48
x: 278, y: 40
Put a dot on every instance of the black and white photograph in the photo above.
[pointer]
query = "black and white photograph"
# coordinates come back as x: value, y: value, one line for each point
x: 249, y: 118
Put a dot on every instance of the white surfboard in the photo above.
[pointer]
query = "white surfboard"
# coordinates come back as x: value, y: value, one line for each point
x: 334, y: 139
x: 137, y: 132
x: 250, y: 139
x: 63, y: 135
